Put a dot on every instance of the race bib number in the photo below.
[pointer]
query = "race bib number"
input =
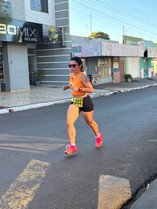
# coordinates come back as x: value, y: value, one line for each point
x: 78, y: 102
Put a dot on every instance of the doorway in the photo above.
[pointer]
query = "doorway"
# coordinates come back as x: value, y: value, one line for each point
x: 32, y: 66
x: 2, y: 77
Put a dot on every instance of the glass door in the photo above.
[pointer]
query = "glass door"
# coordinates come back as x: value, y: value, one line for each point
x: 32, y: 66
x: 145, y: 68
x: 1, y: 65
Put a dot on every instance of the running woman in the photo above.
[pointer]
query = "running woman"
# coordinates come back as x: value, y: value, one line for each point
x: 81, y: 102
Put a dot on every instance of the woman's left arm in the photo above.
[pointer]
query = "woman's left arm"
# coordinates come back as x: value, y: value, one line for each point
x: 88, y: 86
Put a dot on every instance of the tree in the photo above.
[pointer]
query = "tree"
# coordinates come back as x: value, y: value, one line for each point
x: 101, y: 35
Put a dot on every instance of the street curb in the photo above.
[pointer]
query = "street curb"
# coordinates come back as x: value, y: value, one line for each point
x: 32, y: 106
x: 45, y: 104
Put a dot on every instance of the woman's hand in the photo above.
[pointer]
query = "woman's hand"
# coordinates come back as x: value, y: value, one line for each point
x: 73, y: 88
x: 65, y: 87
x: 70, y: 86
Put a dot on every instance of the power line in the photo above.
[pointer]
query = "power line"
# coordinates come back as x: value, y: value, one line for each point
x: 123, y: 18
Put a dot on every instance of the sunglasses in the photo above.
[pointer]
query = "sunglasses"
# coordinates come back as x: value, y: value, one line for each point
x: 72, y: 65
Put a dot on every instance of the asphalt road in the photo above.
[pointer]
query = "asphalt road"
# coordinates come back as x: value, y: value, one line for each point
x: 36, y: 174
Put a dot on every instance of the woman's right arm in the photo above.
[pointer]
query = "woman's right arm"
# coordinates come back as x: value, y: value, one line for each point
x: 65, y: 87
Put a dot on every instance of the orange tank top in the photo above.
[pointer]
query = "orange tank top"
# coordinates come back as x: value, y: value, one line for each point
x: 76, y: 81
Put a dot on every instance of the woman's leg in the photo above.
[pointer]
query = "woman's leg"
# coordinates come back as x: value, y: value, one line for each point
x: 88, y: 116
x: 72, y: 115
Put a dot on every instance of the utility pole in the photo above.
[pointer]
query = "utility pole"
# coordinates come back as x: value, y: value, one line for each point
x: 87, y: 27
x: 91, y: 24
x: 123, y: 34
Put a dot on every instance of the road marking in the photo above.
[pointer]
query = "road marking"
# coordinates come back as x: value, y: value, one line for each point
x: 153, y: 140
x: 23, y: 189
x: 113, y: 192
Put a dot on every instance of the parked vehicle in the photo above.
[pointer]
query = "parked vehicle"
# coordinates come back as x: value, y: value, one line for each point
x: 91, y: 78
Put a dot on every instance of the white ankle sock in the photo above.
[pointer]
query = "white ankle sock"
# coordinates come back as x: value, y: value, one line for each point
x: 98, y: 135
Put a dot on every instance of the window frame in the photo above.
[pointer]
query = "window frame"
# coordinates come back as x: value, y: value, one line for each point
x: 39, y: 5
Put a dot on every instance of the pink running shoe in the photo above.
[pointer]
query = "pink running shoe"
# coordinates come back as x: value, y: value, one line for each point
x: 70, y: 149
x: 99, y: 141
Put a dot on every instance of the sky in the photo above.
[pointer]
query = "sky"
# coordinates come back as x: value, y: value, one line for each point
x: 137, y: 18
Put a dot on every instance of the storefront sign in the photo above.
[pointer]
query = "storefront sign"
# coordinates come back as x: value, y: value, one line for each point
x: 87, y: 49
x: 107, y: 49
x: 20, y: 31
x: 111, y: 49
x: 52, y: 36
x: 76, y: 49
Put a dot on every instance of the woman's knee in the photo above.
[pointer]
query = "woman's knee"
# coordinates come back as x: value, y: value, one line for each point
x: 69, y: 122
x: 89, y: 122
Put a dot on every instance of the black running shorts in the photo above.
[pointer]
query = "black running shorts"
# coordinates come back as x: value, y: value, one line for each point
x: 88, y: 105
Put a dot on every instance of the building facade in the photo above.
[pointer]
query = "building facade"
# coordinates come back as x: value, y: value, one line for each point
x: 148, y: 62
x: 34, y: 37
x: 105, y: 60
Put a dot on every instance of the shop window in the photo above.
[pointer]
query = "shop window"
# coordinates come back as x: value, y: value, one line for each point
x: 39, y: 5
x: 104, y: 66
x: 115, y: 63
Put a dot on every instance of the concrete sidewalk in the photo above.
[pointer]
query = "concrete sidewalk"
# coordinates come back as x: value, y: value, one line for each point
x: 38, y: 96
x: 148, y: 199
x: 45, y: 95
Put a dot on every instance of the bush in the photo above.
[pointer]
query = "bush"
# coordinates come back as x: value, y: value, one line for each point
x: 128, y: 77
x: 40, y: 74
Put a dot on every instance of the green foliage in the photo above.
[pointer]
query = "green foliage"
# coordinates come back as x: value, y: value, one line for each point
x: 128, y: 77
x: 101, y: 35
x: 40, y: 74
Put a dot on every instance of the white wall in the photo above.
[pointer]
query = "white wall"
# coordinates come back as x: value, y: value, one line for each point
x: 133, y: 66
x: 16, y: 67
x: 18, y: 11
